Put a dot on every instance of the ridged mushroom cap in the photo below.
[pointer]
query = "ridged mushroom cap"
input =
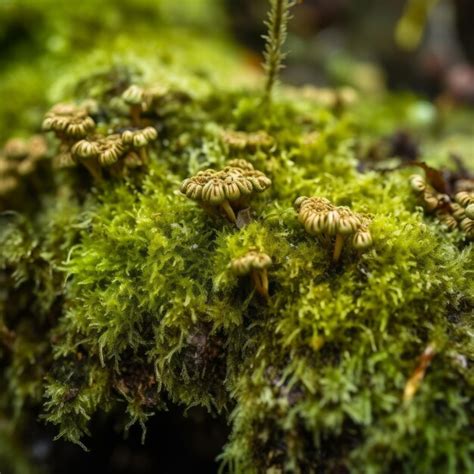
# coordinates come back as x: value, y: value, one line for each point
x: 417, y: 183
x: 68, y: 120
x: 252, y: 260
x: 231, y: 184
x: 134, y: 95
x: 139, y: 138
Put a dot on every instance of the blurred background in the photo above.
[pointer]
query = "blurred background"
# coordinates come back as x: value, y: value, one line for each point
x: 424, y: 46
x: 419, y: 48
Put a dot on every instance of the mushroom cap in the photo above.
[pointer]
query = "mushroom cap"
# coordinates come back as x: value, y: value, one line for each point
x: 213, y: 191
x: 348, y: 222
x: 68, y: 120
x: 239, y: 140
x: 252, y: 260
x: 64, y: 159
x: 459, y: 213
x: 111, y: 149
x: 241, y: 164
x: 464, y: 198
x: 107, y: 149
x: 470, y: 211
x: 447, y: 219
x: 139, y: 138
x: 417, y: 183
x: 430, y: 200
x: 86, y: 149
x: 362, y: 239
x: 312, y: 212
x: 16, y: 149
x: 8, y: 184
x: 230, y: 184
x: 134, y: 95
x: 467, y: 225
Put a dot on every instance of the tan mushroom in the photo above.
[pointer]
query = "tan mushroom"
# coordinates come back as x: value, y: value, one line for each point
x: 255, y: 264
x: 68, y: 122
x: 227, y: 190
x: 99, y: 152
x: 237, y: 140
x: 134, y: 97
x: 320, y: 217
x: 139, y: 140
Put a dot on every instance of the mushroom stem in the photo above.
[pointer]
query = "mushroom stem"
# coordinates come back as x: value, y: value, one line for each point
x: 135, y: 111
x: 338, y: 247
x: 260, y: 281
x: 229, y: 211
x: 143, y: 155
x: 93, y: 168
x: 264, y: 281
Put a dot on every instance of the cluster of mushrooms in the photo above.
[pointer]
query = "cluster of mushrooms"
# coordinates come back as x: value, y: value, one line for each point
x: 237, y: 141
x: 19, y: 160
x: 457, y: 213
x: 81, y: 144
x: 227, y: 191
x: 154, y: 99
x: 320, y: 217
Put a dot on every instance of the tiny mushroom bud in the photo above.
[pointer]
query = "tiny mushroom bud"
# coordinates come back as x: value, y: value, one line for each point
x: 256, y: 264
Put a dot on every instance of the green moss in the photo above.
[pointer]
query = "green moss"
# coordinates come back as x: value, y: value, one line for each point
x: 121, y: 298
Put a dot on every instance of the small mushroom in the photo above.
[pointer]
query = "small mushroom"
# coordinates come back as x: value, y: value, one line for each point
x: 241, y: 164
x: 256, y: 264
x: 134, y: 97
x: 227, y: 190
x: 237, y: 140
x: 417, y: 183
x: 319, y: 216
x: 463, y: 211
x: 140, y: 139
x: 99, y: 151
x: 68, y: 122
x: 470, y: 211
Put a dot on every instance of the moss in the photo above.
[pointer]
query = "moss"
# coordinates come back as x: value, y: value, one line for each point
x: 119, y: 297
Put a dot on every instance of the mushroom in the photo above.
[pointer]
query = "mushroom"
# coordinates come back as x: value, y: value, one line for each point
x: 140, y: 139
x: 447, y: 219
x: 134, y: 98
x: 68, y: 122
x: 97, y: 152
x: 256, y: 264
x: 464, y: 212
x: 241, y: 164
x: 228, y: 189
x: 470, y: 211
x: 320, y: 217
x: 417, y: 183
x: 238, y: 140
